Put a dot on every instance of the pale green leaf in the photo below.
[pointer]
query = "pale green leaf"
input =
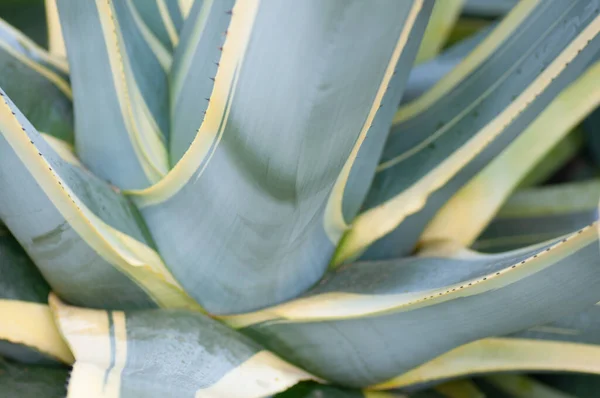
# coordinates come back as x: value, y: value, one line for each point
x: 443, y: 17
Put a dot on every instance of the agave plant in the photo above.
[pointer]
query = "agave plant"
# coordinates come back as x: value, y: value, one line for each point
x: 319, y: 198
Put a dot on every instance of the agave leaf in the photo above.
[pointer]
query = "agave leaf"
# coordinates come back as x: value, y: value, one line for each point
x: 28, y: 333
x: 87, y: 240
x: 446, y: 136
x: 56, y: 42
x: 276, y: 155
x: 185, y: 6
x: 122, y: 128
x: 22, y: 381
x: 407, y: 302
x: 535, y: 215
x: 443, y: 17
x: 494, y: 183
x: 158, y: 353
x: 194, y: 69
x: 569, y: 344
x: 37, y: 82
x: 164, y: 18
x: 488, y: 8
x: 519, y: 386
x: 424, y: 76
x: 557, y: 158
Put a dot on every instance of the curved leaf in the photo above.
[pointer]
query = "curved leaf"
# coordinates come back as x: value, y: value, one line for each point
x: 424, y: 76
x: 555, y: 160
x: 88, y: 241
x: 37, y: 82
x: 247, y: 218
x: 122, y: 128
x: 164, y: 18
x: 56, y: 42
x: 537, y: 214
x: 446, y: 136
x: 569, y: 344
x: 20, y: 381
x: 195, y: 64
x: 443, y: 18
x: 158, y: 353
x: 27, y: 333
x: 369, y: 322
x: 493, y: 184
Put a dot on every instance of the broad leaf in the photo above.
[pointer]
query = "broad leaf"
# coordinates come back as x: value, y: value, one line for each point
x: 27, y: 330
x: 88, y: 241
x: 251, y: 214
x: 166, y: 353
x: 445, y: 137
x: 370, y: 322
x: 123, y: 126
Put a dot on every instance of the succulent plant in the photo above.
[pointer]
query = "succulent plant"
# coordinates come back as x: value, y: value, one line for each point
x: 318, y: 199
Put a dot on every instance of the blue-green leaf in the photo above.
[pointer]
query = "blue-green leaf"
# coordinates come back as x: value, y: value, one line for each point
x: 251, y: 214
x: 164, y: 18
x: 38, y: 83
x: 367, y: 323
x: 120, y: 92
x: 166, y: 353
x: 537, y: 214
x: 88, y: 241
x: 441, y: 140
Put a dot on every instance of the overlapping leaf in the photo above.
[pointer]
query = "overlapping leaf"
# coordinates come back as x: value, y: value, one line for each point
x: 27, y: 330
x: 535, y: 215
x: 445, y: 137
x: 87, y: 240
x: 158, y: 353
x: 119, y: 80
x: 252, y: 212
x: 37, y: 82
x: 369, y: 322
